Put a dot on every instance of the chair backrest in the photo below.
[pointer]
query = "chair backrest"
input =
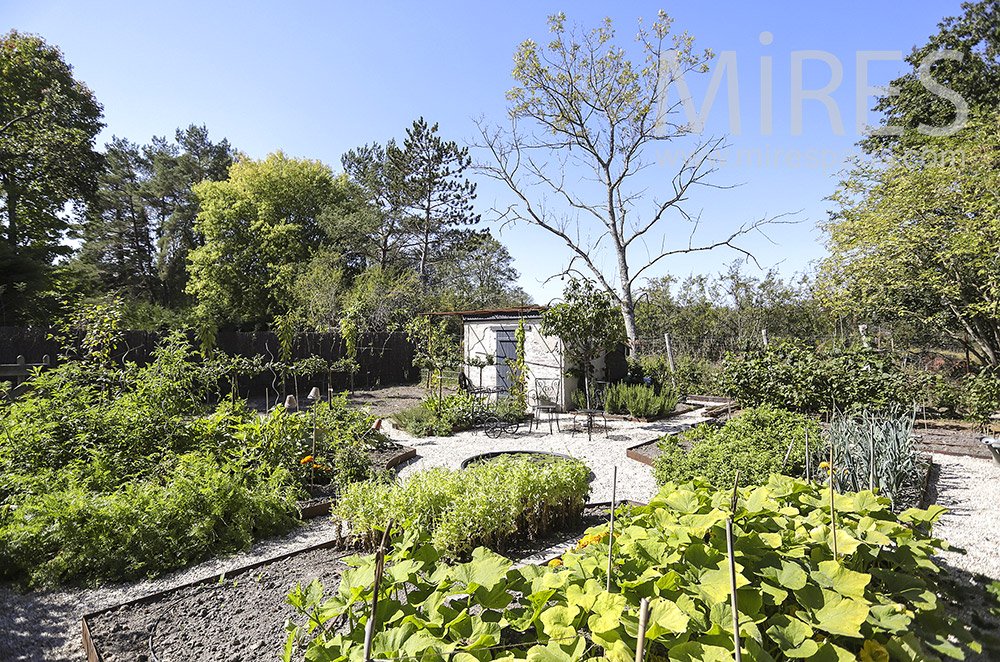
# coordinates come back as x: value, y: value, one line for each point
x: 464, y: 383
x: 547, y: 391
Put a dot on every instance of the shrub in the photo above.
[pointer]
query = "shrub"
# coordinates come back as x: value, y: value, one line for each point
x: 878, y: 599
x: 756, y: 443
x: 195, y: 508
x: 790, y: 375
x: 690, y: 376
x: 982, y: 395
x: 483, y: 504
x: 639, y: 400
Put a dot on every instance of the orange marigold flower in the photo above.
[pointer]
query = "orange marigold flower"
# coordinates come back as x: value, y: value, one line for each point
x: 307, y: 458
x: 555, y: 563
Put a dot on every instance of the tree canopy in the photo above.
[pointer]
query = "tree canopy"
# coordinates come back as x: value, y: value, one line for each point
x: 261, y: 225
x: 48, y: 122
x: 920, y: 240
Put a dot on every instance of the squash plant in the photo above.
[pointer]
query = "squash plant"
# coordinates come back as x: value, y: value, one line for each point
x: 876, y: 601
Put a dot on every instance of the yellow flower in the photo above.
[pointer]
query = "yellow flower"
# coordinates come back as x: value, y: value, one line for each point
x: 824, y: 465
x: 307, y: 458
x: 555, y: 563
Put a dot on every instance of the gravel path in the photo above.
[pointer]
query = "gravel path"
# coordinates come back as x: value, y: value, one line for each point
x: 969, y: 487
x: 601, y: 452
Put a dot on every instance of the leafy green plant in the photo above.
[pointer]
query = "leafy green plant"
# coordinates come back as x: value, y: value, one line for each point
x: 639, y: 400
x: 483, y: 504
x: 796, y: 600
x: 790, y: 375
x: 690, y: 376
x: 193, y: 508
x: 876, y: 451
x: 756, y: 443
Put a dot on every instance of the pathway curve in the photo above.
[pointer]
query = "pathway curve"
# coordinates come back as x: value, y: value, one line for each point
x: 602, y: 452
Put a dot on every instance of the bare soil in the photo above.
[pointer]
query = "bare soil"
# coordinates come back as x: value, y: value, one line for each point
x: 242, y: 618
x: 388, y: 400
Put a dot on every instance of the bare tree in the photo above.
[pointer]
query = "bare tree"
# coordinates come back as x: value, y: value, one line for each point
x: 593, y: 114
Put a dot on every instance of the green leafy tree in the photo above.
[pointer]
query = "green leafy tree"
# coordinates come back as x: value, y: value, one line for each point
x: 919, y: 241
x: 48, y: 121
x: 588, y: 323
x: 261, y: 226
x: 479, y: 275
x: 380, y: 175
x: 585, y: 118
x: 971, y: 72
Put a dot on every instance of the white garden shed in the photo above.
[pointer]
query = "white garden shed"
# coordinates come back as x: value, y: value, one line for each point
x: 490, y: 333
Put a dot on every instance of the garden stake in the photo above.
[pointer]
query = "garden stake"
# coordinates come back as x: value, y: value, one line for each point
x: 734, y: 603
x: 833, y: 514
x: 808, y: 458
x: 379, y: 564
x: 643, y: 618
x: 611, y: 531
x: 871, y: 461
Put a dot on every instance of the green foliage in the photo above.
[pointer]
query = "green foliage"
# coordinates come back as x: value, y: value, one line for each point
x: 733, y: 304
x: 108, y: 472
x: 795, y: 377
x: 485, y: 504
x: 916, y: 240
x: 982, y: 395
x: 193, y: 507
x: 519, y: 372
x: 48, y: 122
x: 588, y: 322
x: 261, y: 226
x: 689, y: 377
x: 796, y: 601
x: 876, y: 451
x: 639, y: 400
x: 755, y: 443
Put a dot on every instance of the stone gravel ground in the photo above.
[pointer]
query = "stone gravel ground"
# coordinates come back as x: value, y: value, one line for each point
x: 969, y: 488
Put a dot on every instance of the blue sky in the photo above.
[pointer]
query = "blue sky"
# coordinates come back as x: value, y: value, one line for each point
x: 318, y: 78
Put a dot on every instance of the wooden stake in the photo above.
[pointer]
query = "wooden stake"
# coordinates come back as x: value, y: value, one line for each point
x: 611, y: 528
x: 643, y: 618
x: 734, y: 603
x: 808, y: 459
x: 833, y: 514
x: 379, y: 565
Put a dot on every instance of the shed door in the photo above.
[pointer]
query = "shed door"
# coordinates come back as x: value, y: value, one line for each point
x: 506, y: 355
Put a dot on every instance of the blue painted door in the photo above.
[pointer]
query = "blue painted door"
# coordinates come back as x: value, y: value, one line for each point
x: 506, y: 354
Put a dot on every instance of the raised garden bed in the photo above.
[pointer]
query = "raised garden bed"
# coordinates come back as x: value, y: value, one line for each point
x: 239, y: 616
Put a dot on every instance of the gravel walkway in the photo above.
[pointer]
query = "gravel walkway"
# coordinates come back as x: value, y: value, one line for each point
x: 969, y: 487
x: 602, y: 452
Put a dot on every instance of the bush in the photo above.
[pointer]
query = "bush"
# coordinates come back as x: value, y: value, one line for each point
x: 484, y: 504
x: 982, y: 395
x: 689, y: 377
x: 877, y: 601
x: 639, y: 400
x: 756, y: 443
x: 195, y: 508
x: 789, y: 375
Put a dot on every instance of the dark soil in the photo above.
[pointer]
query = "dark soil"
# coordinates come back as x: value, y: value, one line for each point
x: 388, y: 400
x: 241, y: 619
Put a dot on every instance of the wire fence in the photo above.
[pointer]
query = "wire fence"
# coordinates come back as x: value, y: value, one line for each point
x: 923, y: 352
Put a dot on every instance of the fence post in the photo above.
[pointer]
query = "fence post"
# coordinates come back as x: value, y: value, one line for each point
x: 670, y: 359
x: 763, y: 335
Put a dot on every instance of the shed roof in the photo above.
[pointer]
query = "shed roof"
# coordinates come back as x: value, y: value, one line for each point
x: 498, y: 313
